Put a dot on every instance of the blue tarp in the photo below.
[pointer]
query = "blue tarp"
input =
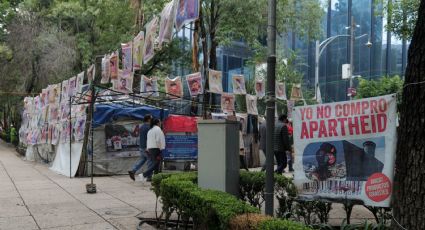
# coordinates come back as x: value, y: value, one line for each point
x: 105, y: 113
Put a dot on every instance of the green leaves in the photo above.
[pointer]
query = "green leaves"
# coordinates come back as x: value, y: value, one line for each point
x: 385, y: 85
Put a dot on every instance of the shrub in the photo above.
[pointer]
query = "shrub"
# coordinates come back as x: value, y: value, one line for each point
x: 251, y: 187
x: 278, y: 224
x: 208, y: 209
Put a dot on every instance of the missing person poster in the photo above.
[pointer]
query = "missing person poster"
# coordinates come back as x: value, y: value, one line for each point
x: 194, y: 83
x: 346, y: 150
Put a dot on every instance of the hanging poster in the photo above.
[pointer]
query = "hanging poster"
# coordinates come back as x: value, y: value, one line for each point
x: 105, y: 70
x: 56, y: 134
x: 149, y: 86
x: 64, y: 96
x: 53, y: 114
x: 215, y: 81
x: 113, y: 65
x: 346, y: 150
x: 44, y: 134
x: 44, y: 97
x: 187, y: 11
x: 127, y: 57
x: 124, y: 84
x: 91, y: 73
x: 173, y: 87
x: 72, y: 86
x: 79, y: 125
x: 64, y: 111
x: 243, y: 120
x: 227, y: 102
x: 65, y: 132
x: 238, y: 83
x: 194, y: 83
x: 138, y: 43
x: 260, y: 88
x: 251, y: 104
x: 149, y: 46
x: 166, y: 25
x: 281, y: 91
x: 290, y: 107
x: 296, y: 93
x: 122, y: 140
x: 54, y: 94
x: 79, y: 82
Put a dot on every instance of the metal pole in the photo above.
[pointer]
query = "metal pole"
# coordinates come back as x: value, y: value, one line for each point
x: 316, y: 66
x: 270, y: 95
x: 91, y: 127
x: 353, y: 25
x: 70, y: 135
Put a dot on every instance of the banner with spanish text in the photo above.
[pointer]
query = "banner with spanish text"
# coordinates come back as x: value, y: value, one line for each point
x: 346, y: 150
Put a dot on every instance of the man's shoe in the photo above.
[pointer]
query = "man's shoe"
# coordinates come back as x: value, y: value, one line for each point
x: 131, y: 174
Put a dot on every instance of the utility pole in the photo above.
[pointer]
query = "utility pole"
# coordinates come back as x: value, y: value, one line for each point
x: 270, y: 108
x: 352, y: 38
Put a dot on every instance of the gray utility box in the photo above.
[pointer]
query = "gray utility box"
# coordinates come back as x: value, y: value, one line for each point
x: 218, y: 155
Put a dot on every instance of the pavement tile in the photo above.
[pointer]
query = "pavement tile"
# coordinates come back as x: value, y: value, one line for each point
x: 126, y: 223
x: 10, y: 207
x: 18, y: 223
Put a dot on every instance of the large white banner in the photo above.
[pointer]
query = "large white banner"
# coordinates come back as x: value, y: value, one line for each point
x: 346, y: 150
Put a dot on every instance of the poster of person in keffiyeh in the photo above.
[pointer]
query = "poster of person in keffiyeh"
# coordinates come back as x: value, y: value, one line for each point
x: 113, y: 66
x: 79, y: 126
x: 124, y: 84
x: 91, y: 73
x: 215, y: 81
x: 251, y: 104
x: 168, y: 16
x: 281, y: 91
x: 296, y: 93
x: 227, y: 102
x: 187, y: 11
x: 149, y: 86
x: 72, y: 86
x: 64, y: 96
x: 238, y: 84
x: 194, y: 83
x: 138, y: 43
x: 149, y: 46
x: 260, y: 88
x: 173, y: 87
x: 80, y: 81
x: 127, y: 57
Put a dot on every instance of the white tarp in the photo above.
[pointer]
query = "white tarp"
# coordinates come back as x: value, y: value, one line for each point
x: 346, y: 150
x: 61, y: 163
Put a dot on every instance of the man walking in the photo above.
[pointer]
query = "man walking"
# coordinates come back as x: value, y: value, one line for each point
x: 155, y: 144
x: 281, y: 143
x: 144, y: 154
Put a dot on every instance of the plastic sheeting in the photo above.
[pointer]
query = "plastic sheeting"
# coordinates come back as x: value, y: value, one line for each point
x: 61, y: 163
x: 104, y: 114
x: 175, y: 123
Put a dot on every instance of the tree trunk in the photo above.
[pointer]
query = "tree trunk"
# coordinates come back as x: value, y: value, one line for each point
x: 409, y: 183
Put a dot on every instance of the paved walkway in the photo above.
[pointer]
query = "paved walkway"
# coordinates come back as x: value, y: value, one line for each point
x: 34, y: 197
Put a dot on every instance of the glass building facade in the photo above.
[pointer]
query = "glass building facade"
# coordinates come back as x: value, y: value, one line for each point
x: 386, y: 56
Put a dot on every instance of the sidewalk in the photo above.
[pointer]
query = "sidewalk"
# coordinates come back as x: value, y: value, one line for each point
x: 34, y: 197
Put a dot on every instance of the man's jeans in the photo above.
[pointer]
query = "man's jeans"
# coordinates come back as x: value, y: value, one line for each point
x: 143, y: 158
x: 155, y: 155
x: 281, y: 161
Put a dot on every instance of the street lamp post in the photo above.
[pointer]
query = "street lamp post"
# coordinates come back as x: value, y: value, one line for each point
x: 320, y: 47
